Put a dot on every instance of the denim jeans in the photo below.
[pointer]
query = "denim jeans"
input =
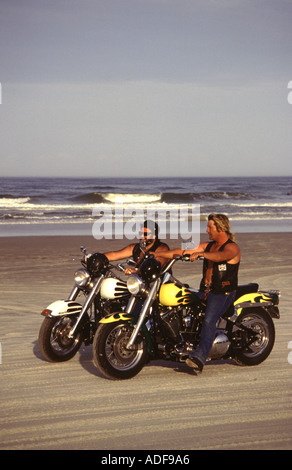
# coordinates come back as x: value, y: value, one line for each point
x: 217, y: 305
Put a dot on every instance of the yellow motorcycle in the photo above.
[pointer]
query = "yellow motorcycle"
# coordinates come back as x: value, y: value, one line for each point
x: 164, y: 321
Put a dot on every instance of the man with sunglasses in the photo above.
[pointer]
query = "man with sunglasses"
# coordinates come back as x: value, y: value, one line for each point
x: 150, y: 242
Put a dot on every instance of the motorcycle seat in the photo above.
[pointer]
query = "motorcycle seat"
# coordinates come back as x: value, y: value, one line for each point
x: 246, y: 289
x: 241, y: 290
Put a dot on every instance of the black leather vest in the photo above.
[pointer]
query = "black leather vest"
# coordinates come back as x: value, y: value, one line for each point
x: 224, y: 275
x: 137, y: 249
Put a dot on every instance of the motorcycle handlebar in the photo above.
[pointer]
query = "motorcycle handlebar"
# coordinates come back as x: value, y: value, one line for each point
x: 186, y: 257
x: 122, y: 267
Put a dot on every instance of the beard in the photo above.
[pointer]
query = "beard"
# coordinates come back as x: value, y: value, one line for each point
x: 144, y: 243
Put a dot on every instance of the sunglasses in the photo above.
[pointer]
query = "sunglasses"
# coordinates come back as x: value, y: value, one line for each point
x: 145, y: 234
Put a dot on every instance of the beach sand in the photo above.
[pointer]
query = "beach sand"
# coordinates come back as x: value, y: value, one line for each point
x: 165, y: 407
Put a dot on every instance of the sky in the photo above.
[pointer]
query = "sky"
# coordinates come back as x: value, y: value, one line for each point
x: 145, y: 88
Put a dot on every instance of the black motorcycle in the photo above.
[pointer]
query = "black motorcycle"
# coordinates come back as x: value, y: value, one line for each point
x: 69, y: 323
x: 165, y: 322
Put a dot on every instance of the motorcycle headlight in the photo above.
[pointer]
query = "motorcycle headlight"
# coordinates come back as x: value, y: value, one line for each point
x: 135, y: 284
x: 81, y: 277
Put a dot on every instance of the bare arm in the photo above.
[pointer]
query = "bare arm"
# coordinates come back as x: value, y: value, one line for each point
x: 231, y: 252
x: 200, y: 248
x: 161, y: 254
x: 120, y: 254
x: 170, y: 254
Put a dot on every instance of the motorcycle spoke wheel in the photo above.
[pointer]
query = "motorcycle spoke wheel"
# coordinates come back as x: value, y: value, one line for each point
x: 257, y: 350
x: 54, y: 342
x: 60, y: 340
x: 111, y: 355
x: 118, y: 355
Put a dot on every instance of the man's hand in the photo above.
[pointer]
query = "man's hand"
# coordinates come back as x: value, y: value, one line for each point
x: 129, y: 271
x: 196, y: 254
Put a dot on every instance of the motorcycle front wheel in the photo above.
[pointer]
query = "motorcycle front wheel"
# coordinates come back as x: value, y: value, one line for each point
x: 257, y: 351
x: 54, y: 342
x: 110, y: 354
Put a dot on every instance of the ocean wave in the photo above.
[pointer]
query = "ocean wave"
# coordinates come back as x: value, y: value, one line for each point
x: 238, y: 205
x: 120, y: 198
x: 205, y: 196
x: 132, y: 198
x: 6, y: 201
x: 163, y: 197
x: 89, y: 198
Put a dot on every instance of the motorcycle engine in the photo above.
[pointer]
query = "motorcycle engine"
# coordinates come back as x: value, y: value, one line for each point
x: 178, y: 323
x: 171, y: 324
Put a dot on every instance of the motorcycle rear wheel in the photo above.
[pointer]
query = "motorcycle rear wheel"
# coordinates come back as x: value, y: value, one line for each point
x: 54, y: 343
x: 110, y: 354
x: 261, y: 323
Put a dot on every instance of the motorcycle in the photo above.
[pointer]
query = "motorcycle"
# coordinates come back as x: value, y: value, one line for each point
x: 169, y: 322
x: 69, y: 323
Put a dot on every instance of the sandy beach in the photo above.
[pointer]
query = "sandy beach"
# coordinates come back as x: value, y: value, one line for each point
x: 46, y: 406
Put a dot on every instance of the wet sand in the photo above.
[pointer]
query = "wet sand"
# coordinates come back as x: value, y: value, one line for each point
x: 46, y: 406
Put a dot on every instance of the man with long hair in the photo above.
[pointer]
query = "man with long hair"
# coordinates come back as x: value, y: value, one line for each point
x: 219, y: 281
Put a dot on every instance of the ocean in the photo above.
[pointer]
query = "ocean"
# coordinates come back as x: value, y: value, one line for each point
x: 73, y: 206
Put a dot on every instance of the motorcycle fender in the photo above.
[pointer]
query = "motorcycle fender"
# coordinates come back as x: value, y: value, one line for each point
x: 129, y: 317
x: 117, y: 317
x: 62, y: 307
x: 255, y: 299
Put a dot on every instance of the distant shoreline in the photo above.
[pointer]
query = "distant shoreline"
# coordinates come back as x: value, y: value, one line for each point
x: 81, y: 229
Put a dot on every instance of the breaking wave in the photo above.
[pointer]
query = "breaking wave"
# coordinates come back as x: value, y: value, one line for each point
x: 163, y: 197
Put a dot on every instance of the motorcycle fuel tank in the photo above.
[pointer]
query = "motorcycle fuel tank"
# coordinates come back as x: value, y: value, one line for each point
x: 113, y: 289
x: 173, y: 294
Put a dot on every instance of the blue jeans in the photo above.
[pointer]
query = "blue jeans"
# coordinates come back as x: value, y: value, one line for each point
x: 217, y: 305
